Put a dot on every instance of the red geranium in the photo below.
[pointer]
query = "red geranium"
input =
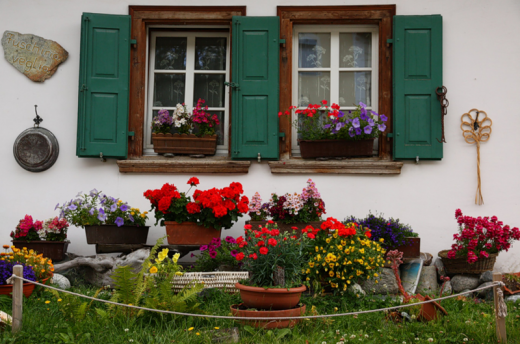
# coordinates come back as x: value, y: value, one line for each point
x: 239, y: 256
x: 272, y: 242
x: 193, y: 181
x: 264, y: 250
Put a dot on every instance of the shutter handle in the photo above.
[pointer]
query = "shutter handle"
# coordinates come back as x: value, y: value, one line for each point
x: 259, y: 158
x: 231, y: 84
x: 103, y: 159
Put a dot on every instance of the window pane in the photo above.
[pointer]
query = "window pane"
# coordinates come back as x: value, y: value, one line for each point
x: 313, y: 87
x: 168, y: 89
x: 314, y: 50
x: 209, y: 87
x: 355, y: 50
x: 210, y: 53
x: 170, y: 53
x: 355, y: 87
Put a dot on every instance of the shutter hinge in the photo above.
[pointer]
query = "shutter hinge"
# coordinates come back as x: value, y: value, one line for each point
x: 259, y: 158
x: 281, y: 135
x: 281, y: 40
x: 389, y: 41
x: 131, y: 134
x: 133, y: 42
x: 390, y: 135
x: 83, y: 88
x: 86, y: 19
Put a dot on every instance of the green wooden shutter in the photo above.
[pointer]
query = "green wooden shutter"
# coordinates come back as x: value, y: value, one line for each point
x: 255, y: 87
x: 103, y: 86
x: 417, y: 72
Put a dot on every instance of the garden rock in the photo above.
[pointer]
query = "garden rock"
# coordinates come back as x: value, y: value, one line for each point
x: 486, y: 293
x: 448, y: 289
x: 97, y: 270
x: 387, y: 283
x: 462, y: 282
x: 62, y: 281
x: 512, y: 298
x: 356, y: 289
x: 428, y: 280
x: 440, y: 267
x: 486, y: 276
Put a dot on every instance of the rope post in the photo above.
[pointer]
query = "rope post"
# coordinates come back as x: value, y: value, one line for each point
x: 17, y: 299
x: 500, y: 320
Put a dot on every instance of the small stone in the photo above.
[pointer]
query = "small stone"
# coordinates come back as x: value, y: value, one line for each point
x: 485, y: 293
x: 62, y: 281
x: 448, y: 289
x: 428, y: 280
x: 427, y: 258
x: 387, y: 283
x: 486, y: 276
x: 463, y: 282
x: 226, y: 335
x: 197, y: 156
x: 512, y: 298
x: 356, y: 289
x: 441, y: 271
x: 36, y: 57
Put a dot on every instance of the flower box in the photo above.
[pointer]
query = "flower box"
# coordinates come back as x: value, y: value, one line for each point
x: 311, y: 149
x: 112, y: 234
x: 54, y: 250
x: 189, y: 233
x: 184, y: 144
x: 411, y: 248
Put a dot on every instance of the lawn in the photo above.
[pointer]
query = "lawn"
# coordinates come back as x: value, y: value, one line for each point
x: 51, y: 319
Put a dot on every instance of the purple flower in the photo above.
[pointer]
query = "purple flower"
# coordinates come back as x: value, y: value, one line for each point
x: 367, y: 129
x: 91, y: 211
x: 213, y: 254
x: 56, y: 207
x: 362, y: 105
x: 93, y: 192
x: 339, y: 126
x: 381, y: 127
x: 326, y: 126
x: 371, y: 122
x: 351, y: 132
x: 123, y: 207
x: 383, y: 118
x: 119, y: 221
x: 358, y: 131
x: 363, y: 115
x: 203, y: 248
x: 233, y: 253
x: 230, y: 240
x: 130, y: 217
x: 113, y: 207
x: 374, y: 113
x: 72, y: 207
x: 355, y: 123
x: 192, y: 255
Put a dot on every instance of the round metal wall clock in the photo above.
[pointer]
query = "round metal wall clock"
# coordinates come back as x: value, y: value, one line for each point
x: 36, y: 149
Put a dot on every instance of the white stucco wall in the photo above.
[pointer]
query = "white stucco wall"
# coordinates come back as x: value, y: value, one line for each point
x: 481, y: 71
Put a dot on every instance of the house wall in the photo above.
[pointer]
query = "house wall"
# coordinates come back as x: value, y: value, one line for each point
x: 480, y: 71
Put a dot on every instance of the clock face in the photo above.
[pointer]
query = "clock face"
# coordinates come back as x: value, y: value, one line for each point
x: 36, y: 149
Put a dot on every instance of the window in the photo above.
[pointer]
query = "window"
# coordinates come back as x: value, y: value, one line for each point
x: 335, y: 63
x: 183, y: 67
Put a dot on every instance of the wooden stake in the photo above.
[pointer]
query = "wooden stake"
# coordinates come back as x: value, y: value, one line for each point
x: 500, y: 321
x: 17, y: 299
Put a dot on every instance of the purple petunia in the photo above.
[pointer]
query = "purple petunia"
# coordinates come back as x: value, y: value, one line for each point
x: 355, y: 123
x: 367, y: 129
x: 358, y: 131
x: 91, y: 211
x: 363, y: 115
x: 101, y: 216
x: 203, y: 248
x: 93, y: 192
x: 381, y: 127
x: 230, y: 240
x: 119, y: 221
x: 113, y: 207
x: 371, y: 122
x: 233, y: 253
x: 326, y: 126
x: 72, y: 207
x: 383, y: 118
x: 351, y: 132
x: 123, y: 207
x: 213, y: 254
x: 130, y: 217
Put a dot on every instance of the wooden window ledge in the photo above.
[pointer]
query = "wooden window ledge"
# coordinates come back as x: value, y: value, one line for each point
x: 349, y: 166
x: 183, y: 164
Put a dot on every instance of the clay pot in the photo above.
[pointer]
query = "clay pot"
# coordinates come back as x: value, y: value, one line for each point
x: 270, y: 298
x: 508, y: 291
x: 28, y: 288
x: 241, y: 311
x: 189, y: 233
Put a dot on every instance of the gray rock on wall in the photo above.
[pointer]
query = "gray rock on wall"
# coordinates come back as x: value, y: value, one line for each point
x: 387, y: 284
x: 428, y: 280
x: 462, y: 282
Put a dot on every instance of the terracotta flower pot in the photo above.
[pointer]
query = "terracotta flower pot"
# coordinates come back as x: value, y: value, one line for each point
x: 189, y: 233
x: 28, y: 288
x: 270, y: 298
x: 508, y: 291
x: 54, y: 250
x: 411, y: 248
x: 429, y: 311
x: 241, y: 311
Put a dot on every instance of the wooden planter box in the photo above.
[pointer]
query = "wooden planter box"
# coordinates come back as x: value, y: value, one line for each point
x: 54, y: 250
x: 184, y: 144
x: 112, y: 234
x: 411, y: 248
x: 310, y: 149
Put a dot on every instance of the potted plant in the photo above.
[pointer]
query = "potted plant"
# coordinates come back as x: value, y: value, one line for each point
x: 48, y: 237
x: 217, y: 255
x: 107, y: 220
x: 274, y: 261
x: 196, y: 132
x: 340, y: 254
x: 391, y: 234
x: 197, y: 221
x: 36, y: 268
x: 325, y: 131
x: 292, y: 212
x: 477, y: 244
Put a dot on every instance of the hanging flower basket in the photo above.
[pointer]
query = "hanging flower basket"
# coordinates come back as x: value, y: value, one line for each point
x: 460, y: 265
x: 184, y: 144
x: 311, y: 149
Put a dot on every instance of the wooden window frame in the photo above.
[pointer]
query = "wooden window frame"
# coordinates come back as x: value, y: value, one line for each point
x: 142, y: 17
x: 380, y: 15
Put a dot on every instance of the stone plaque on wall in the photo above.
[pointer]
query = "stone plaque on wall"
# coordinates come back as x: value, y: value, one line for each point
x: 36, y: 57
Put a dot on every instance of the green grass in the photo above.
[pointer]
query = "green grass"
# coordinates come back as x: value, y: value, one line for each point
x: 45, y: 323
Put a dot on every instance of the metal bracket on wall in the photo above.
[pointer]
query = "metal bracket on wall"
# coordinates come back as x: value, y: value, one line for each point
x: 103, y: 159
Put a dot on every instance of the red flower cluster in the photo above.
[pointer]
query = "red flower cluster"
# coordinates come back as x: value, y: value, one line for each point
x: 311, y: 109
x: 478, y: 237
x: 343, y: 230
x: 220, y: 201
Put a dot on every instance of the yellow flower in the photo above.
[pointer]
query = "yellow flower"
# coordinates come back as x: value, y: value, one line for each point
x: 143, y: 215
x: 331, y: 273
x: 178, y: 273
x: 191, y: 328
x: 311, y: 264
x: 176, y: 257
x: 47, y: 302
x: 59, y: 300
x: 217, y: 328
x: 119, y: 202
x: 153, y: 270
x: 381, y: 240
x: 362, y: 251
x: 375, y: 274
x: 198, y: 334
x: 163, y: 254
x: 328, y: 240
x: 132, y: 213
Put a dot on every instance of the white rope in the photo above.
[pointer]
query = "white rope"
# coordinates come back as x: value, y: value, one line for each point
x: 502, y: 307
x: 259, y: 318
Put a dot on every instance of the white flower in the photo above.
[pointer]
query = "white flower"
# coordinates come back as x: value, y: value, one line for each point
x: 468, y: 321
x: 416, y: 338
x: 404, y: 342
x: 465, y: 339
x: 353, y: 336
x: 430, y: 340
x: 323, y: 342
x: 366, y: 335
x: 126, y: 330
x: 337, y: 331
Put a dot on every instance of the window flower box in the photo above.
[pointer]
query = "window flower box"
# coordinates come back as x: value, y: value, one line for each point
x: 184, y: 144
x: 311, y: 149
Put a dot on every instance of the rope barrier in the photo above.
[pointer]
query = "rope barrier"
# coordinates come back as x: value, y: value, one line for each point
x: 502, y: 305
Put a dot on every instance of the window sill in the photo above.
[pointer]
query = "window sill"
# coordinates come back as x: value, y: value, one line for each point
x: 183, y: 164
x: 349, y: 166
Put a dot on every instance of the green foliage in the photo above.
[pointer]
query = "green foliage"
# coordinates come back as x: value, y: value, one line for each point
x: 125, y: 283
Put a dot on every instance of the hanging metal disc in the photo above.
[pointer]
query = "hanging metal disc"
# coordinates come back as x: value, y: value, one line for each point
x: 36, y: 149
